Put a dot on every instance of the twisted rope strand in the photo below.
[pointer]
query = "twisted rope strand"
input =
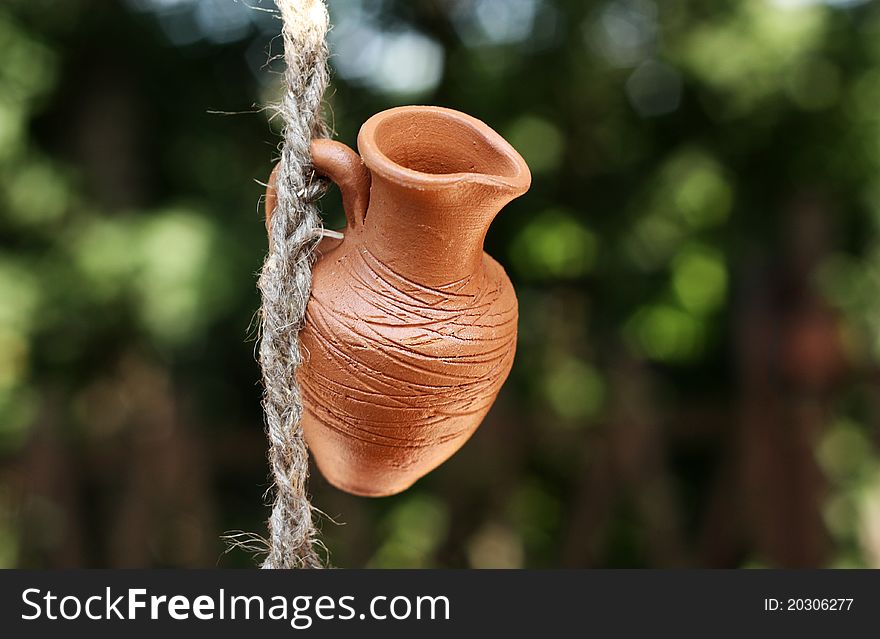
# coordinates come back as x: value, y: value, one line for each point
x: 285, y: 283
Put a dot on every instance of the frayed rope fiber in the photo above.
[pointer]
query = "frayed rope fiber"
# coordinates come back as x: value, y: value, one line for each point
x: 285, y: 283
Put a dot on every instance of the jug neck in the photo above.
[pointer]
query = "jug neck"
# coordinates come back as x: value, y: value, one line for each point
x: 433, y: 239
x: 439, y: 178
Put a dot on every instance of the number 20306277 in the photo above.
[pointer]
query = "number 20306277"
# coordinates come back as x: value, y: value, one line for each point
x: 808, y: 604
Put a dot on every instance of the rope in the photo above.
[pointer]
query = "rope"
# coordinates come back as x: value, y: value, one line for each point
x: 285, y: 283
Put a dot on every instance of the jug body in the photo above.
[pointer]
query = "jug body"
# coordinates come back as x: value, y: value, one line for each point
x: 398, y: 375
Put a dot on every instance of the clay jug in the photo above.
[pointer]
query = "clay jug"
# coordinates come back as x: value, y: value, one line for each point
x: 411, y: 327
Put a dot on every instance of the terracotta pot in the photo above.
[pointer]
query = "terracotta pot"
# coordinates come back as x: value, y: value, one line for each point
x: 411, y: 328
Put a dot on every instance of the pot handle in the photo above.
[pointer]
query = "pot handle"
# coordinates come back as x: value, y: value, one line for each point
x: 344, y: 167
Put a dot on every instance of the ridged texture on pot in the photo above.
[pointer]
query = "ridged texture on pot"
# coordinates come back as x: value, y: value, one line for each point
x: 399, y: 375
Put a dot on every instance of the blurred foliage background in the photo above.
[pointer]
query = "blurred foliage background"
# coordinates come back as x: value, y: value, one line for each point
x: 697, y: 262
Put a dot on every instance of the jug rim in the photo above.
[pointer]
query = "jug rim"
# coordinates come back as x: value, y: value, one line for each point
x: 517, y: 180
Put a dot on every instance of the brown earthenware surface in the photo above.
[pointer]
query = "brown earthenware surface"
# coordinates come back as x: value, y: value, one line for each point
x: 411, y: 328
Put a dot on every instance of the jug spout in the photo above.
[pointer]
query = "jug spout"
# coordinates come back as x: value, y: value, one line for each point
x: 439, y: 178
